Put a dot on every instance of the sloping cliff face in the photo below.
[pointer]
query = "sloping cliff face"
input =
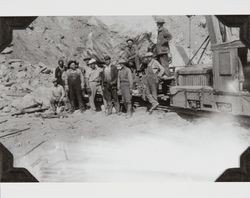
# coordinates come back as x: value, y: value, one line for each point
x: 49, y: 38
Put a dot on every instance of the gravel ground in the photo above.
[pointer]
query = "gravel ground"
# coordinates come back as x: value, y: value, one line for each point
x: 91, y: 147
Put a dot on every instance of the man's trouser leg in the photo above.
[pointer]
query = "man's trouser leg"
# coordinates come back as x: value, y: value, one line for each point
x: 107, y: 99
x: 115, y: 98
x: 164, y: 61
x: 67, y: 101
x: 72, y: 98
x: 151, y: 92
x: 137, y: 63
x: 126, y: 95
x: 93, y: 87
x: 79, y: 98
x: 53, y: 104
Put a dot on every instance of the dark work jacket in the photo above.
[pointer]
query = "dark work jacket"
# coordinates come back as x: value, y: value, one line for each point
x: 163, y: 38
x: 58, y: 76
x: 114, y: 76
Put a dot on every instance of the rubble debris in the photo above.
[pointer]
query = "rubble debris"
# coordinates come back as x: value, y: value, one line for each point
x: 34, y: 148
x: 2, y: 59
x: 29, y: 111
x: 3, y: 121
x: 7, y: 50
x: 16, y: 132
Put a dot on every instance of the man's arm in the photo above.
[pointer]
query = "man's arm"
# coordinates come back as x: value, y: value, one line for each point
x: 62, y: 93
x: 130, y: 78
x: 82, y: 78
x: 167, y: 34
x: 118, y: 81
x: 160, y: 69
x: 66, y: 81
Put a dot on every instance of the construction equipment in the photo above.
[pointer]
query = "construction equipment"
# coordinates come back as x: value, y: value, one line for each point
x: 223, y: 86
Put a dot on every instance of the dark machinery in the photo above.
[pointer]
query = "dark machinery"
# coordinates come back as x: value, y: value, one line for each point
x: 223, y: 86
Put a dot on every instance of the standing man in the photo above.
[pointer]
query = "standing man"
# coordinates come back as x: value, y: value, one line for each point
x: 125, y: 85
x: 59, y: 71
x: 109, y: 85
x: 74, y: 84
x: 132, y: 54
x: 153, y: 72
x: 162, y: 45
x: 57, y: 96
x: 94, y: 82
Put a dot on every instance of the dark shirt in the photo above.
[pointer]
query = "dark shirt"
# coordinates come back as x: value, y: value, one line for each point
x: 58, y: 75
x: 163, y: 38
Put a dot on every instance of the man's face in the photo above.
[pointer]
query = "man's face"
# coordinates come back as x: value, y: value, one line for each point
x: 92, y: 66
x: 55, y: 83
x: 159, y: 25
x: 86, y: 61
x: 130, y: 43
x: 149, y: 59
x: 61, y: 63
x: 130, y: 64
x: 108, y: 61
x: 73, y: 66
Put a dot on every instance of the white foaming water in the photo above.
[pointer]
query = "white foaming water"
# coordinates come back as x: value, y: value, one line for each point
x: 146, y: 148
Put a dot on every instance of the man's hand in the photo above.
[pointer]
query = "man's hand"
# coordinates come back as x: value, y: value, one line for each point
x: 89, y: 91
x: 66, y: 88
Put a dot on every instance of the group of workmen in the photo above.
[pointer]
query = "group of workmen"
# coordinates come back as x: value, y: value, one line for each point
x: 113, y: 78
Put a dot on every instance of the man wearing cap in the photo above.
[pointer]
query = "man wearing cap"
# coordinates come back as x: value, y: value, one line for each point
x: 109, y: 77
x: 153, y: 72
x: 125, y: 85
x: 57, y: 95
x: 132, y: 54
x: 74, y: 84
x: 94, y: 82
x: 162, y: 45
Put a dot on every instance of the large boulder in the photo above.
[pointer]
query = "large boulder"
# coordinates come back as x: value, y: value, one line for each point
x: 41, y: 95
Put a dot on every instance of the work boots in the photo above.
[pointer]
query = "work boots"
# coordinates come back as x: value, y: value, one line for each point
x: 129, y: 110
x: 154, y: 106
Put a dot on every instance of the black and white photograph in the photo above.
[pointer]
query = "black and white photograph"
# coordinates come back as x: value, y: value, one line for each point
x: 151, y: 98
x: 124, y: 99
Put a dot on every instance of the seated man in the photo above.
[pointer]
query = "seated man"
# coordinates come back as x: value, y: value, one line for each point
x: 57, y: 96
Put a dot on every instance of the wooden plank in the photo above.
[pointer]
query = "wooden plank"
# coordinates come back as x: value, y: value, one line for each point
x: 13, y: 133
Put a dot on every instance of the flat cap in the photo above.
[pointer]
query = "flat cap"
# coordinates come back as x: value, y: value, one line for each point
x: 149, y: 54
x: 130, y: 39
x: 122, y: 61
x: 160, y: 20
x: 92, y: 61
x: 107, y: 57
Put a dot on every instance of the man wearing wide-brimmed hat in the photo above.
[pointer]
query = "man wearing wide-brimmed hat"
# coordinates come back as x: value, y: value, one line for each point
x: 94, y: 82
x: 125, y: 85
x: 74, y: 84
